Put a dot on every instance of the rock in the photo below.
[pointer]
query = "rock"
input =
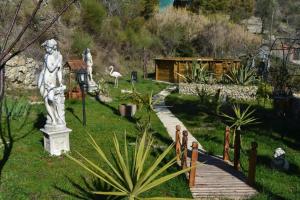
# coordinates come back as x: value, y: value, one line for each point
x: 253, y: 24
x: 21, y: 72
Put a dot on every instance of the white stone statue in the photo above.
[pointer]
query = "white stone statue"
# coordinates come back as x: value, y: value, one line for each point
x: 51, y: 86
x: 88, y: 59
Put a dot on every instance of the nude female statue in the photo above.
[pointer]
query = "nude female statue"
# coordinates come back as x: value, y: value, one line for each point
x: 88, y: 59
x: 50, y: 84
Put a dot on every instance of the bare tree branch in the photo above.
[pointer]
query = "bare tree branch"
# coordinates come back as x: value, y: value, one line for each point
x: 46, y: 28
x: 11, y: 26
x: 7, y: 51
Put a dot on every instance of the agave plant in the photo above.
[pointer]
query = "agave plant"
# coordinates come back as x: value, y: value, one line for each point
x: 198, y: 74
x: 129, y: 175
x: 241, y: 76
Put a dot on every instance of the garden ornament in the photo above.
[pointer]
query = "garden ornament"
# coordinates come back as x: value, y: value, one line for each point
x: 279, y: 161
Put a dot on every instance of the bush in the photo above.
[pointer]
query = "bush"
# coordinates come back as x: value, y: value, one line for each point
x: 93, y: 14
x: 70, y: 17
x: 81, y: 41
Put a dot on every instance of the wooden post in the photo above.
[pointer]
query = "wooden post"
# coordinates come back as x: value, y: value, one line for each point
x: 184, y: 149
x: 252, y: 163
x: 178, y: 143
x: 237, y: 149
x: 226, y: 144
x: 194, y: 160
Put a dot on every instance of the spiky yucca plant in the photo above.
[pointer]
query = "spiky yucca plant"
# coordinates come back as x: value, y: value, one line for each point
x: 240, y: 118
x: 242, y: 75
x: 129, y: 175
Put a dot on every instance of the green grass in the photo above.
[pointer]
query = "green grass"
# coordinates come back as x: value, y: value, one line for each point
x: 30, y: 173
x: 270, y: 134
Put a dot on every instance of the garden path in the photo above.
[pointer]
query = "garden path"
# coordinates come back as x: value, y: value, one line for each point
x: 214, y: 178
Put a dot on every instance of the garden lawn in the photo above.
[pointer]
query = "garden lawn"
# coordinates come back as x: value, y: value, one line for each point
x: 271, y: 133
x: 30, y: 173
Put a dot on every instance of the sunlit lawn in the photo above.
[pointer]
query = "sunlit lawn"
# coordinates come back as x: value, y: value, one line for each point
x: 30, y: 173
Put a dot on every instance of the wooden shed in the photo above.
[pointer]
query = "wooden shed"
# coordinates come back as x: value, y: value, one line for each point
x: 167, y: 69
x: 73, y: 66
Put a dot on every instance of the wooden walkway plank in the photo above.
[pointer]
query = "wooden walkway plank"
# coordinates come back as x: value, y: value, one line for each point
x: 215, y: 179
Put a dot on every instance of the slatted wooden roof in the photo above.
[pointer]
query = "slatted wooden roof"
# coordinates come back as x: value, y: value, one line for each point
x: 76, y: 64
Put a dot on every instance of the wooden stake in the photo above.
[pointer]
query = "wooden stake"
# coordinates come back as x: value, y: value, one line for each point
x: 178, y: 143
x: 226, y: 144
x: 252, y: 163
x: 194, y: 160
x: 184, y: 149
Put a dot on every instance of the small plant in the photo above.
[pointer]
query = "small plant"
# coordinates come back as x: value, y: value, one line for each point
x: 242, y: 75
x: 103, y: 87
x: 142, y: 101
x: 129, y: 176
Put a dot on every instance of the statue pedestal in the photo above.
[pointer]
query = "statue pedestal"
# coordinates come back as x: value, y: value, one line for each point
x: 56, y: 140
x: 92, y: 86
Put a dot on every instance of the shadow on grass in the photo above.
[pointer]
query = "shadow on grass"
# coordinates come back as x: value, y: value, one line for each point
x: 7, y: 139
x: 71, y: 110
x: 85, y: 191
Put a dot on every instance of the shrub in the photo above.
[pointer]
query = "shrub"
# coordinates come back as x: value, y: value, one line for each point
x: 93, y: 14
x: 81, y: 40
x: 70, y: 17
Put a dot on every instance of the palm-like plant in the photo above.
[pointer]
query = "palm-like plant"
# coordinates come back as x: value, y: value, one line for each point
x: 240, y: 118
x: 241, y: 76
x: 129, y: 175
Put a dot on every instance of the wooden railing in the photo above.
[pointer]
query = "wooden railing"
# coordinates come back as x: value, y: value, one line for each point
x: 182, y: 154
x: 237, y: 149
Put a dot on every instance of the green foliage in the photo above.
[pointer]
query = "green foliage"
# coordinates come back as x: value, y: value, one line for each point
x: 103, y: 87
x: 150, y: 7
x: 71, y: 16
x: 242, y: 75
x: 128, y: 175
x: 197, y: 74
x: 80, y: 41
x: 15, y: 108
x: 93, y: 14
x: 240, y: 118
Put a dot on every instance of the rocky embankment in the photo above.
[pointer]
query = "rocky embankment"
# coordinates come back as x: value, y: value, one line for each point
x: 22, y: 72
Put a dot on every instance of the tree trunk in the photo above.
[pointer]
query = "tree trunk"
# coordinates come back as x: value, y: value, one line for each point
x: 237, y: 149
x: 2, y: 81
x: 145, y: 64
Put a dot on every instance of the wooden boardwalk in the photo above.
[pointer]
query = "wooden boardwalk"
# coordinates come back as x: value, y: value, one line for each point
x: 215, y: 179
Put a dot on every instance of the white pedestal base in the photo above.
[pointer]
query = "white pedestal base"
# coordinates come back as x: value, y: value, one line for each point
x: 56, y: 142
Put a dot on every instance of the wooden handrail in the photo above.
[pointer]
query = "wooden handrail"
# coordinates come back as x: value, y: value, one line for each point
x: 237, y: 149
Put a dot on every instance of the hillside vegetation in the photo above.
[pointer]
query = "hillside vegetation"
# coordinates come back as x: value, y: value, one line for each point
x: 130, y: 33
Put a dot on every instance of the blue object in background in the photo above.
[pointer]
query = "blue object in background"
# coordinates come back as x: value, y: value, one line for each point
x: 163, y: 4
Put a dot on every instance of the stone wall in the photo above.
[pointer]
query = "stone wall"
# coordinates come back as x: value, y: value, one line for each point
x: 230, y: 91
x: 22, y: 72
